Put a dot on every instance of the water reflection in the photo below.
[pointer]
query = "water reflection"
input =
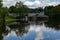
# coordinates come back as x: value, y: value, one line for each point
x: 18, y: 27
x: 53, y: 24
x: 31, y: 31
x: 2, y: 28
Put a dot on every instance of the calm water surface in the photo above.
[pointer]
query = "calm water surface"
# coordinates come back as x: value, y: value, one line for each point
x: 31, y: 31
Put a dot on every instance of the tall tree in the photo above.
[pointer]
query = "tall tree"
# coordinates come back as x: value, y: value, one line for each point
x: 0, y: 3
x: 1, y: 21
x: 12, y: 9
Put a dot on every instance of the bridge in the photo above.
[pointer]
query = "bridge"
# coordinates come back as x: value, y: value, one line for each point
x: 36, y: 17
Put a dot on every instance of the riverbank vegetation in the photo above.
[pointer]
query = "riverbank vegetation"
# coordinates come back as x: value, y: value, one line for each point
x: 53, y: 12
x: 9, y: 14
x: 20, y: 9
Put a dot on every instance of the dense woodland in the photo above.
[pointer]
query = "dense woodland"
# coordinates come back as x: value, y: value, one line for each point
x: 53, y: 12
x: 19, y: 8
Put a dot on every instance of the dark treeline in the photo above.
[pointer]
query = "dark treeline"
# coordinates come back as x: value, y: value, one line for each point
x: 53, y: 12
x: 20, y: 8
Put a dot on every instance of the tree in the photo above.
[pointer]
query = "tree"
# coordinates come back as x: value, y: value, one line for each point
x: 22, y: 9
x: 0, y: 3
x: 19, y: 4
x: 56, y: 9
x: 12, y: 9
x: 38, y: 10
x: 3, y: 12
x: 53, y: 12
x: 1, y: 21
x: 0, y: 8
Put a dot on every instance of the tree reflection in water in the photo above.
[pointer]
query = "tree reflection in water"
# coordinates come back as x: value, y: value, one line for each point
x: 18, y: 27
x: 2, y: 28
x: 53, y: 24
x: 21, y: 28
x: 1, y: 33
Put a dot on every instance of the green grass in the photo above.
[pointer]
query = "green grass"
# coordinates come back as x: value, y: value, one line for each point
x: 9, y: 18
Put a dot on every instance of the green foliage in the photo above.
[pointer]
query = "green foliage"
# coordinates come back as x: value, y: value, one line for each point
x: 12, y: 9
x: 3, y: 12
x: 56, y: 9
x: 38, y: 10
x: 0, y: 3
x: 48, y: 10
x: 53, y: 12
x: 23, y: 9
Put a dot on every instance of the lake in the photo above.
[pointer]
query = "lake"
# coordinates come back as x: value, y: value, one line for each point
x: 40, y: 30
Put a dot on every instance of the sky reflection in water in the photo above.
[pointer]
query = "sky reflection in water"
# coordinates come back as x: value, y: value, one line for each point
x: 36, y: 32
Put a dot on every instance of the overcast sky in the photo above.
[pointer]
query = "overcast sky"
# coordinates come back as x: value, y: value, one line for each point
x: 32, y: 3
